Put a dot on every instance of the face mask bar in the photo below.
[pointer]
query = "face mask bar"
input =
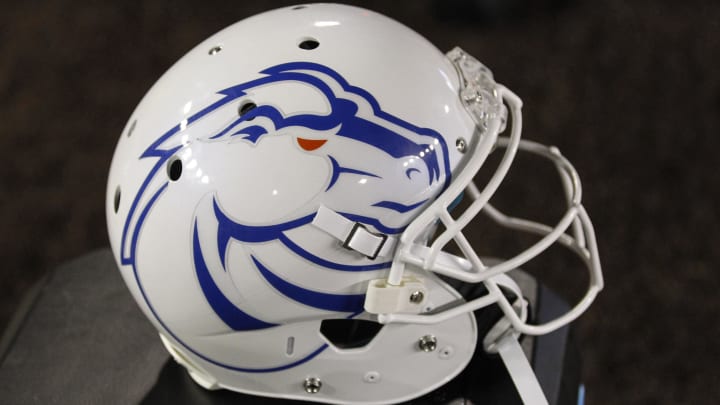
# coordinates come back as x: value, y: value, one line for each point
x: 484, y: 100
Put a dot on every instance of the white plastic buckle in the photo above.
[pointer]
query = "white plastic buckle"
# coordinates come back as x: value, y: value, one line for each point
x: 384, y: 298
x: 364, y: 238
x: 354, y: 235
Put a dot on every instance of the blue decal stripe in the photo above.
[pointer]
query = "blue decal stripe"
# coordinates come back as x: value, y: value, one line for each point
x: 374, y: 222
x: 391, y: 142
x: 126, y: 228
x: 141, y: 220
x: 344, y: 112
x: 410, y: 171
x: 337, y: 170
x: 329, y: 302
x: 285, y: 67
x: 252, y: 233
x: 153, y: 150
x: 266, y: 110
x: 397, y: 206
x: 258, y: 370
x: 295, y: 248
x: 252, y: 133
x: 282, y: 367
x: 180, y: 341
x: 233, y: 316
x: 164, y: 155
x: 228, y: 128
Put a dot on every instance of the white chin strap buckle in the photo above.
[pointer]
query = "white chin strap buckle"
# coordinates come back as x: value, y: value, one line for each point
x: 354, y: 235
x: 362, y: 240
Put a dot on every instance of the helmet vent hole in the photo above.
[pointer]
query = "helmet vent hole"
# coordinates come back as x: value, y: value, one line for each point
x: 132, y: 128
x: 174, y: 169
x: 116, y: 199
x: 245, y: 108
x: 349, y: 333
x: 215, y: 50
x: 298, y: 7
x: 308, y: 44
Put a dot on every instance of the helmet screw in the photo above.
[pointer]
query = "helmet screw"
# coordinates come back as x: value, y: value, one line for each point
x: 427, y: 343
x: 312, y: 385
x: 416, y: 297
x: 461, y: 145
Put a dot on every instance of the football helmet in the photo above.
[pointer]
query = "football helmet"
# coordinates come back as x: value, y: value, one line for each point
x: 274, y: 205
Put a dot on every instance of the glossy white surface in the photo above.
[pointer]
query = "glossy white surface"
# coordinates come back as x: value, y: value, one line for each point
x: 219, y: 249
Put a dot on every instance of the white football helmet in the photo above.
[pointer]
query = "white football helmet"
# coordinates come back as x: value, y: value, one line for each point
x: 273, y: 199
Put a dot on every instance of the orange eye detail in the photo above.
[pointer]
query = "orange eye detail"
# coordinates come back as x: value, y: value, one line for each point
x: 310, y: 144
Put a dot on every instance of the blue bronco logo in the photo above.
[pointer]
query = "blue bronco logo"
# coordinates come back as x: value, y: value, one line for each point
x: 355, y: 120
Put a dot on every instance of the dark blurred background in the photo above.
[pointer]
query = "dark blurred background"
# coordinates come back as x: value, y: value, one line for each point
x: 629, y: 91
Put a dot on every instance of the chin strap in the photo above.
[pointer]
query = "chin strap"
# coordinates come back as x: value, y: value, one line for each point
x: 503, y: 340
x: 520, y: 370
x: 354, y: 235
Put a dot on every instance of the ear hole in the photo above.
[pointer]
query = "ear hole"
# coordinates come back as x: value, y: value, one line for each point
x: 308, y: 44
x: 349, y: 333
x: 174, y: 168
